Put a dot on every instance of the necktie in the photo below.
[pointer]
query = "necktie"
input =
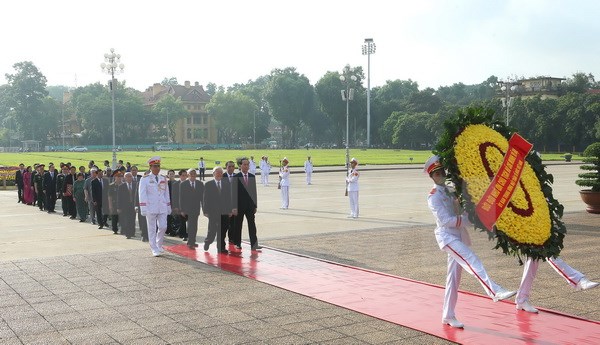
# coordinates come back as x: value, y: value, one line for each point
x: 193, y: 185
x: 219, y: 185
x: 156, y: 177
x: 245, y: 179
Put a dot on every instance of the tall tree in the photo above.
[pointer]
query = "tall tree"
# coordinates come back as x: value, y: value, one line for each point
x: 290, y: 97
x: 92, y: 106
x: 25, y: 94
x: 233, y: 113
x: 255, y: 89
x: 170, y: 110
x: 389, y: 98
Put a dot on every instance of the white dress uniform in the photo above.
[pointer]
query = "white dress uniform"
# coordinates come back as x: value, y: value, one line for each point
x: 252, y: 166
x: 266, y: 171
x: 308, y: 169
x: 155, y: 204
x: 575, y: 278
x: 352, y: 188
x: 452, y: 237
x: 284, y: 173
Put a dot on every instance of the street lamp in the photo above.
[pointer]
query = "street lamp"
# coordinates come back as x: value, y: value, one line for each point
x: 112, y: 66
x: 348, y: 78
x: 507, y: 87
x: 368, y: 48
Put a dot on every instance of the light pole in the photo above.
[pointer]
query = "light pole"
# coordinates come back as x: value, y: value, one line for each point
x: 506, y: 87
x: 62, y: 112
x: 112, y: 66
x: 368, y: 48
x: 347, y: 78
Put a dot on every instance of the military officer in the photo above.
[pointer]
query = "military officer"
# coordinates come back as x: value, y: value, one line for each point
x: 155, y: 205
x: 452, y: 237
x: 308, y: 169
x: 284, y: 182
x: 352, y: 187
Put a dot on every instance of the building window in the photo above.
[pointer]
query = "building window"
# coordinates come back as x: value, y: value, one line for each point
x: 189, y: 133
x: 196, y: 119
x: 197, y: 133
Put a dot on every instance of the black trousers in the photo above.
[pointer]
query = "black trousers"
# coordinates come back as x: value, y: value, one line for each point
x: 114, y: 220
x: 143, y: 225
x: 20, y: 190
x: 127, y: 220
x: 50, y: 200
x: 218, y: 229
x: 192, y: 228
x: 182, y: 229
x: 239, y: 222
x: 99, y: 215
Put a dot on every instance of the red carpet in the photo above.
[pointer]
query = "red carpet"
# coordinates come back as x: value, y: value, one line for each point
x: 406, y: 302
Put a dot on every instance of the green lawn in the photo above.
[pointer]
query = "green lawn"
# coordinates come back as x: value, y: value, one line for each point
x: 189, y: 159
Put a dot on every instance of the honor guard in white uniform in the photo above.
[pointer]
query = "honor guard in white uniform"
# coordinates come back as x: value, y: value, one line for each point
x: 575, y: 278
x: 155, y: 205
x: 352, y: 187
x: 452, y: 237
x: 308, y: 169
x: 265, y: 171
x: 284, y: 175
x: 252, y: 163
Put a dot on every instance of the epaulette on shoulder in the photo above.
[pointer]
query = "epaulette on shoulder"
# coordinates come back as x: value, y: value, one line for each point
x: 145, y: 176
x: 433, y: 190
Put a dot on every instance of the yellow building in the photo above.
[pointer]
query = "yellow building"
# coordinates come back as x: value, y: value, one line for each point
x: 198, y: 127
x: 545, y: 87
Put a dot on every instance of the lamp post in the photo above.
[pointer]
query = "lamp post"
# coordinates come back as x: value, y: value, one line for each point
x: 348, y: 78
x: 112, y: 66
x: 368, y: 48
x: 506, y: 87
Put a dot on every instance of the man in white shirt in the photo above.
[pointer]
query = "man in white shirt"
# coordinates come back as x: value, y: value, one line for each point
x: 284, y: 176
x: 201, y: 169
x: 252, y: 163
x: 308, y: 169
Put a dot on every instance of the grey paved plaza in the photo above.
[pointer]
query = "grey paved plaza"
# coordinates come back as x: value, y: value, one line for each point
x: 65, y: 282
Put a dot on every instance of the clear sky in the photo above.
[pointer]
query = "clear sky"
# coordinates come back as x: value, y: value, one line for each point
x: 432, y: 42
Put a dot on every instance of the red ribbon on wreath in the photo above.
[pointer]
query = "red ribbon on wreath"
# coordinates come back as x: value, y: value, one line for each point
x: 497, y: 196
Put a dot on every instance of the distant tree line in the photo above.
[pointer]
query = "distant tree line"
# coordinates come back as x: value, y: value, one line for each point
x: 402, y: 115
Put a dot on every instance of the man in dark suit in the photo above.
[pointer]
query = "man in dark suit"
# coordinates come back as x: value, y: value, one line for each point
x: 245, y: 198
x: 141, y: 219
x: 19, y: 182
x: 97, y: 196
x: 126, y: 206
x: 178, y: 219
x: 217, y: 207
x: 67, y: 192
x: 228, y: 178
x: 50, y: 177
x: 191, y: 193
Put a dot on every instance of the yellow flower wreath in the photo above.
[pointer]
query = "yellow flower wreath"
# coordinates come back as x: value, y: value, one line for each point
x: 479, y: 152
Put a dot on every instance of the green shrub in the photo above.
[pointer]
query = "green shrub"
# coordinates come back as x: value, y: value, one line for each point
x: 591, y: 158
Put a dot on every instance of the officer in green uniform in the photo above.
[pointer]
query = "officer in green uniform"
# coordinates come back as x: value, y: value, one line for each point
x: 38, y: 182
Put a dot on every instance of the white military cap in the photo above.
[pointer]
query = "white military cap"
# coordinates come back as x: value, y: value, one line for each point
x: 354, y: 160
x: 432, y: 164
x: 154, y: 160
